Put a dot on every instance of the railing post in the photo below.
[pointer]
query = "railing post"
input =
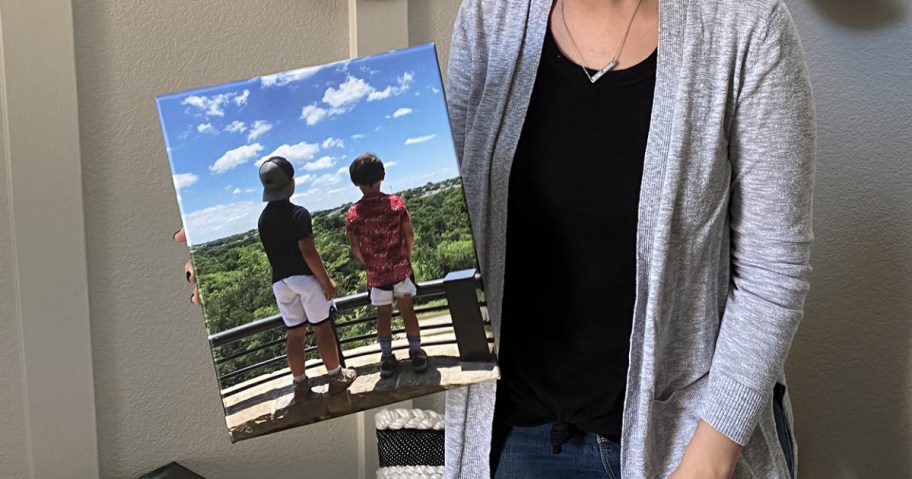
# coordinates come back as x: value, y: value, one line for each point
x: 332, y: 322
x: 462, y: 297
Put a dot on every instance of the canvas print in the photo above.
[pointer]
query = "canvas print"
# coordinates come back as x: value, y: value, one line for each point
x: 330, y: 237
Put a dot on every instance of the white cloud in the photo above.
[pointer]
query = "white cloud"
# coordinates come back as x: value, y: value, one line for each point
x: 297, y: 153
x: 205, y: 128
x: 317, y: 183
x: 222, y: 220
x: 435, y: 90
x: 242, y: 98
x: 381, y: 94
x: 236, y: 157
x: 184, y: 180
x: 258, y: 128
x: 357, y: 136
x: 351, y: 91
x: 390, y: 164
x: 333, y: 143
x: 249, y: 190
x: 402, y: 112
x: 237, y: 191
x: 402, y: 83
x: 214, y: 105
x: 303, y: 179
x: 236, y: 127
x: 282, y: 79
x: 343, y: 98
x: 308, y: 192
x: 321, y: 164
x: 420, y: 139
x: 326, y: 180
x: 313, y: 114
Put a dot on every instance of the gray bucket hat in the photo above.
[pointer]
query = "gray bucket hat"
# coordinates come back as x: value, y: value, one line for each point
x: 277, y: 176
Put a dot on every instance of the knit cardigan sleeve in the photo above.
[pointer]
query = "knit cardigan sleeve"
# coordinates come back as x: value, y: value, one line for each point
x: 464, y: 70
x: 772, y: 153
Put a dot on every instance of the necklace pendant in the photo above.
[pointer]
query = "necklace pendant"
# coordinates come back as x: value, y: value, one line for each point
x: 600, y: 73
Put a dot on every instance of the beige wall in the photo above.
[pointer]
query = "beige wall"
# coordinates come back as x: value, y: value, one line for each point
x: 155, y: 393
x: 432, y: 21
x: 851, y: 367
x: 155, y: 386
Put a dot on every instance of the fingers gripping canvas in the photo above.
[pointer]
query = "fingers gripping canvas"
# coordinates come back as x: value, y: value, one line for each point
x: 329, y: 234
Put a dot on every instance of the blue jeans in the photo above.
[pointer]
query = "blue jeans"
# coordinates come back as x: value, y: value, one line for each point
x: 782, y: 428
x: 526, y: 454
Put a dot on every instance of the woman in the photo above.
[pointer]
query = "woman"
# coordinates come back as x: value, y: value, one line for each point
x: 720, y: 146
x: 665, y: 208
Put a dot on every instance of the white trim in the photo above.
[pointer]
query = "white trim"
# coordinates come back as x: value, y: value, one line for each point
x: 362, y: 445
x: 41, y: 154
x: 376, y: 26
x: 373, y: 27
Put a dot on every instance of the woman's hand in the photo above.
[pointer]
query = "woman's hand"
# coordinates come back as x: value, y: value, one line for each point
x: 709, y: 455
x: 188, y: 268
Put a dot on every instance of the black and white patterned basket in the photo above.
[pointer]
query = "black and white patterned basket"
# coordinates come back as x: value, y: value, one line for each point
x: 410, y: 444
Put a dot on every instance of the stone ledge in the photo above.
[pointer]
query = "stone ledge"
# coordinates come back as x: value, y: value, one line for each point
x: 253, y: 412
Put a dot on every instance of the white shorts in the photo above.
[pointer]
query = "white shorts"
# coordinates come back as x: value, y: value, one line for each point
x: 301, y: 301
x: 383, y: 295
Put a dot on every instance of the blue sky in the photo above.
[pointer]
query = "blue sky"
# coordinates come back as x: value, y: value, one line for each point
x: 320, y: 118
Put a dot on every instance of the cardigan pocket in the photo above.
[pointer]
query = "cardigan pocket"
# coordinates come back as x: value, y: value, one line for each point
x: 689, y: 389
x: 678, y: 412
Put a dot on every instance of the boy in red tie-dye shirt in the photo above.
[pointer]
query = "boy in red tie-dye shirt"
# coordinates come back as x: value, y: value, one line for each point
x: 380, y: 232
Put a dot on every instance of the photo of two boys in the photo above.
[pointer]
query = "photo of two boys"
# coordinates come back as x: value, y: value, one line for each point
x: 356, y: 284
x: 380, y: 232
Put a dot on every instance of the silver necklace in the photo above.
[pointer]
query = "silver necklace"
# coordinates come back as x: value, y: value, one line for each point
x: 613, y: 62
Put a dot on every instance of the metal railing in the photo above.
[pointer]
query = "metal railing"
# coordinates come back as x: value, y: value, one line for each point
x: 459, y: 288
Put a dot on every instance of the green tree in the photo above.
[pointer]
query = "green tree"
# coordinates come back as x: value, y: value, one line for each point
x: 235, y: 277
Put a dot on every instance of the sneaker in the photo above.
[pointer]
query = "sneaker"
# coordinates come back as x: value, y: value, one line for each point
x: 301, y: 393
x: 341, y: 381
x: 388, y: 364
x: 419, y: 360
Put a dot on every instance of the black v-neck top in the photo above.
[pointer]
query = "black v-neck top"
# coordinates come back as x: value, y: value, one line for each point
x: 571, y: 246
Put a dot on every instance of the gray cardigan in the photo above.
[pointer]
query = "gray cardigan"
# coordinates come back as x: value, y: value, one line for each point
x: 724, y: 220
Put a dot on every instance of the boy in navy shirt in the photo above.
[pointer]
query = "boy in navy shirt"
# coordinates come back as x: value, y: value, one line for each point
x: 303, y: 290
